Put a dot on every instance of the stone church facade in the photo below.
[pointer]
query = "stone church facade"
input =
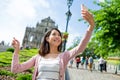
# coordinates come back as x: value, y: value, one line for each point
x: 33, y: 35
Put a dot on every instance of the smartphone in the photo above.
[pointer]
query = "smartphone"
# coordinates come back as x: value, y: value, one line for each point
x: 83, y: 7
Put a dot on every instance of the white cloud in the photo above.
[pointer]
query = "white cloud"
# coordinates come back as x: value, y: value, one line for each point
x: 15, y: 17
x: 44, y: 3
x: 102, y: 0
x: 17, y: 14
x: 21, y: 8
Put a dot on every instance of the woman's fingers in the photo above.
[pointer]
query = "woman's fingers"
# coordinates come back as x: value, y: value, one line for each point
x: 88, y: 17
x: 15, y: 40
x: 85, y: 15
x: 15, y: 43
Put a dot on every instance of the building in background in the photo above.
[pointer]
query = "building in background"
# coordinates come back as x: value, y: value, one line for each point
x: 33, y: 35
x: 4, y: 46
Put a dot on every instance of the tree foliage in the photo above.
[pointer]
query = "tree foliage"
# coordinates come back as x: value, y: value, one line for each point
x: 107, y: 31
x: 74, y: 43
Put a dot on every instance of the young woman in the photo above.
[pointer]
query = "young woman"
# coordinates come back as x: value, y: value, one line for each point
x: 50, y: 63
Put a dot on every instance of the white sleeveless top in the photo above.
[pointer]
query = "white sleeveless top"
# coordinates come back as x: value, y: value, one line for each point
x: 48, y: 69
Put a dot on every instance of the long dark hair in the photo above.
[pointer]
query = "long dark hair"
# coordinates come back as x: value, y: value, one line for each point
x: 44, y: 46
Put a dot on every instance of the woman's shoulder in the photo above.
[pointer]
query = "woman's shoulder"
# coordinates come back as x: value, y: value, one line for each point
x: 63, y: 54
x: 36, y: 56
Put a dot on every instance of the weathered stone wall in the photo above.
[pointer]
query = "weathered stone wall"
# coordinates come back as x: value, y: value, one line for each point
x: 33, y: 35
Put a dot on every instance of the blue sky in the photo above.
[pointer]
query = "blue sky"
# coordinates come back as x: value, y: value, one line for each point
x: 15, y: 15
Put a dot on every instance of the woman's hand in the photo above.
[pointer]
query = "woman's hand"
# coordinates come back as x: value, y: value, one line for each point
x: 16, y: 44
x: 87, y: 16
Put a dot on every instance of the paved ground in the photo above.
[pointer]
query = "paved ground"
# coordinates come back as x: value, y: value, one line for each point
x: 83, y: 74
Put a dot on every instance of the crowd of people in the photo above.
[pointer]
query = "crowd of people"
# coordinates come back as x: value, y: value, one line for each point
x: 88, y: 63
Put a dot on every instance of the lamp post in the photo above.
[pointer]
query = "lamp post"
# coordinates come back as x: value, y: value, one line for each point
x: 68, y: 14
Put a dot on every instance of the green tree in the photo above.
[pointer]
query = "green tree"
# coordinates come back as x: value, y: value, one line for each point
x: 75, y: 43
x: 107, y: 31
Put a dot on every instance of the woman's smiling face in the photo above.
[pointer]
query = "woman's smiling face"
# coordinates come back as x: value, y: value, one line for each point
x: 54, y: 38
